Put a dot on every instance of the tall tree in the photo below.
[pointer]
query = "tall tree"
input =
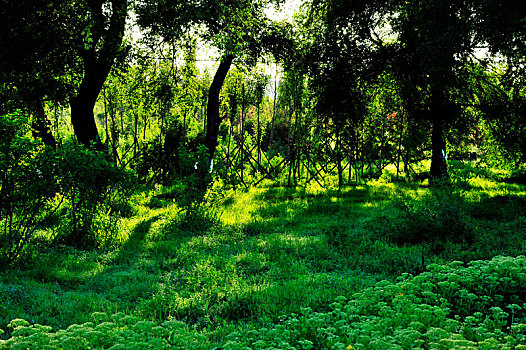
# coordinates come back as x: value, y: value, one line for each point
x: 237, y: 28
x: 103, y: 42
x: 436, y: 38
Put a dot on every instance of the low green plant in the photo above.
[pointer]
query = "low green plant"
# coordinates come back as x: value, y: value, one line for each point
x: 117, y: 331
x: 449, y: 306
x: 474, y: 306
x: 434, y: 218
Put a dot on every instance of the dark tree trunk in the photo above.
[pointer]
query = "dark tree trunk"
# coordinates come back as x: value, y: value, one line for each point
x: 438, y: 144
x: 213, y: 120
x: 97, y: 65
x: 438, y: 148
x: 82, y: 105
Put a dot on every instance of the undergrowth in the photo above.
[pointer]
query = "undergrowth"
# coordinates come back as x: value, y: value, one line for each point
x: 478, y: 306
x: 239, y: 265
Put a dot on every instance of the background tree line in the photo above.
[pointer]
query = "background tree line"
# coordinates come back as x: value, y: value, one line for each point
x: 87, y: 111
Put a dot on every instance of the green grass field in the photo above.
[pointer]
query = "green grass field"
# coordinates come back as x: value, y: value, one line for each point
x: 258, y: 257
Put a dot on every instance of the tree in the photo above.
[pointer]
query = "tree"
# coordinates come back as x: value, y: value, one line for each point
x: 38, y: 62
x: 436, y: 38
x: 438, y: 42
x: 236, y: 27
x: 43, y: 43
x: 103, y: 42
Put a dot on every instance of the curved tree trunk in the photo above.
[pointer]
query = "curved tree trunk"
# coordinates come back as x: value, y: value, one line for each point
x: 97, y: 66
x: 213, y: 120
x: 82, y: 105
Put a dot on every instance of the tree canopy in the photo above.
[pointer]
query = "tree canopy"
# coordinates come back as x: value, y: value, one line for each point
x: 444, y: 66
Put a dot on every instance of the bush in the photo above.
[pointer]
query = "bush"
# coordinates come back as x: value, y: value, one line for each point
x: 105, y: 332
x: 36, y: 182
x: 96, y: 191
x: 435, y: 219
x: 450, y: 306
x: 27, y: 186
x: 169, y: 156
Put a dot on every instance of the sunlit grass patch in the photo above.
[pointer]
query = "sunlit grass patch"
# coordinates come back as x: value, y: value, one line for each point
x: 487, y: 185
x: 238, y: 208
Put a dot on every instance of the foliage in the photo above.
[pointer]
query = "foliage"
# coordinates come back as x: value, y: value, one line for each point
x: 38, y: 56
x: 465, y: 307
x: 116, y: 331
x: 233, y: 26
x: 28, y: 189
x: 502, y: 25
x: 503, y: 110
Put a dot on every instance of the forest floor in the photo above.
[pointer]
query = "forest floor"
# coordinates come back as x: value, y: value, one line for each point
x: 261, y: 253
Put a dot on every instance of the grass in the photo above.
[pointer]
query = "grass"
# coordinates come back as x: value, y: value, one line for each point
x: 262, y: 253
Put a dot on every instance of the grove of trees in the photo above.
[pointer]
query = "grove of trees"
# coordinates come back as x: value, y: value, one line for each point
x: 344, y: 90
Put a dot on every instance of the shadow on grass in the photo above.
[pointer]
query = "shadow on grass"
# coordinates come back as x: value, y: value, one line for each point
x: 296, y: 249
x: 373, y: 233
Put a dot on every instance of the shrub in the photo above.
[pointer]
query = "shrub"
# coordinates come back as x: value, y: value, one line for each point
x: 96, y: 191
x: 168, y: 157
x: 114, y: 332
x: 449, y: 306
x: 435, y: 219
x: 27, y: 186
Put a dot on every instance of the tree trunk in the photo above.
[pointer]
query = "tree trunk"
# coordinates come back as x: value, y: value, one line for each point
x: 82, y: 105
x: 98, y: 60
x: 41, y: 127
x: 213, y: 120
x: 438, y: 148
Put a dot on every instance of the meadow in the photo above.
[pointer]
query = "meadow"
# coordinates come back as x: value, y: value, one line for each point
x: 382, y: 264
